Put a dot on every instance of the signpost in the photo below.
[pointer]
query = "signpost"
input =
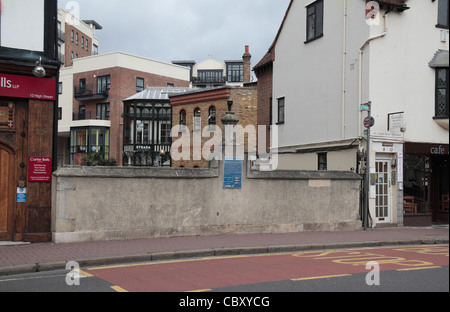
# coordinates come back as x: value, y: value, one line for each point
x: 368, y: 123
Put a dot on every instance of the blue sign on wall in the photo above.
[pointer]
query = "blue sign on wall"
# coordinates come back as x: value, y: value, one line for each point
x: 233, y: 173
x: 21, y: 195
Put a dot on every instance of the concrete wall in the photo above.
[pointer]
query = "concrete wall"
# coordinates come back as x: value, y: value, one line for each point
x: 93, y: 203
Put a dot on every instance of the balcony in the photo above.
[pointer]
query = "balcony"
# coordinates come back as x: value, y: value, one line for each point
x: 90, y: 92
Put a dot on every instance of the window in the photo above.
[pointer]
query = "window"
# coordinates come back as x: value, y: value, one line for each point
x: 182, y: 127
x: 197, y: 119
x: 71, y: 36
x: 139, y: 84
x: 82, y: 85
x: 443, y: 14
x: 60, y: 88
x: 103, y: 83
x: 314, y: 21
x: 87, y: 44
x: 212, y: 117
x: 82, y: 42
x: 442, y: 91
x: 210, y: 76
x: 76, y: 38
x: 322, y: 161
x: 103, y: 111
x: 59, y: 113
x: 82, y: 112
x: 95, y: 49
x: 235, y: 72
x: 281, y: 111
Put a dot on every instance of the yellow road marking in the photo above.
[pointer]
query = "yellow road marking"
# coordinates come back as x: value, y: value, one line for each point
x: 198, y: 291
x: 420, y: 268
x: 85, y: 274
x: 319, y: 277
x: 118, y: 289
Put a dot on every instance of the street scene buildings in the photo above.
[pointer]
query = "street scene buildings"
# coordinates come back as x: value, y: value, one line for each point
x: 346, y: 120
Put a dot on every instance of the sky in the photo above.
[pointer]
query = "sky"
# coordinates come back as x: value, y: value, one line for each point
x: 169, y: 30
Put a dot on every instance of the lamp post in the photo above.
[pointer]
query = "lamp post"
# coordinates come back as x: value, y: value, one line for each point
x: 367, y: 191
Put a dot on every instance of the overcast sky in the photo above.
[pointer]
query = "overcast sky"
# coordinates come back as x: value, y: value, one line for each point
x: 168, y: 30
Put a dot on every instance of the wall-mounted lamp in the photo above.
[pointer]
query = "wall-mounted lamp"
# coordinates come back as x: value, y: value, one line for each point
x: 39, y: 71
x: 230, y: 104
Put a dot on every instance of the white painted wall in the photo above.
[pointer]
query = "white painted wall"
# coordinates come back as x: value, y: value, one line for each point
x: 22, y: 24
x: 400, y: 77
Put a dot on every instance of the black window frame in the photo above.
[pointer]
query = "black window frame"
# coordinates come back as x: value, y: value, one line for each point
x: 140, y: 88
x: 103, y: 111
x: 235, y: 72
x: 442, y: 10
x: 212, y: 117
x: 315, y: 18
x: 102, y: 86
x: 322, y: 161
x: 281, y: 110
x: 447, y: 91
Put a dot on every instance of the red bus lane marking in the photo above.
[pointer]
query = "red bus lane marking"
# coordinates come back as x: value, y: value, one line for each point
x: 217, y: 272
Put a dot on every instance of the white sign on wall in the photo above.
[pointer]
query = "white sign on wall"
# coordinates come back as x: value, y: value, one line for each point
x: 22, y: 24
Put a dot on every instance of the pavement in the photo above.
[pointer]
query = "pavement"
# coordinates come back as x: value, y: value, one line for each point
x: 17, y: 258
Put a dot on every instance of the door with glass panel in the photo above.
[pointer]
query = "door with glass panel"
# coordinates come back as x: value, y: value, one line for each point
x: 383, y: 206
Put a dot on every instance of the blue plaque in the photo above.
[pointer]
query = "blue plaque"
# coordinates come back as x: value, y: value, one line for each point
x: 232, y: 178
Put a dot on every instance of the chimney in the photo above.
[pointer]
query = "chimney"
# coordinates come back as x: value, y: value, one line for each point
x: 247, y: 64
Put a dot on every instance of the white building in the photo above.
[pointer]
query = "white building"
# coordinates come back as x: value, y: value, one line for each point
x: 331, y: 57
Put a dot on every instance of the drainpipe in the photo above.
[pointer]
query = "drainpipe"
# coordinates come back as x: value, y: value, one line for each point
x: 361, y: 51
x: 344, y: 68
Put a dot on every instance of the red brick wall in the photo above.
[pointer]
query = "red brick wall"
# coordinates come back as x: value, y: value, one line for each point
x: 123, y: 85
x: 74, y: 47
x: 244, y: 107
x: 265, y: 87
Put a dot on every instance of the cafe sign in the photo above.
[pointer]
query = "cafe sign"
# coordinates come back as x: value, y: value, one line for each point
x: 27, y: 87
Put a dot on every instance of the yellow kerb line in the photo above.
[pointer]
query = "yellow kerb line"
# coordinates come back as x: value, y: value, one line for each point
x: 119, y: 289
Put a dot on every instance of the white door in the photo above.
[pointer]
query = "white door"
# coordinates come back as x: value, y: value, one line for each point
x: 383, y: 206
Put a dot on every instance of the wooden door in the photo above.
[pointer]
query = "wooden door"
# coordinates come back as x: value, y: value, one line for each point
x: 7, y: 200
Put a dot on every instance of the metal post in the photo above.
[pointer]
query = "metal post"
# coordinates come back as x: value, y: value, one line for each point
x: 367, y: 191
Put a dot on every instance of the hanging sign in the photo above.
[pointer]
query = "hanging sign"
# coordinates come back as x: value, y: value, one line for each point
x: 39, y: 169
x: 27, y: 87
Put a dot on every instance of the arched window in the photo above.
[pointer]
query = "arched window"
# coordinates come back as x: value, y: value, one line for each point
x: 182, y: 120
x: 212, y: 117
x: 197, y: 119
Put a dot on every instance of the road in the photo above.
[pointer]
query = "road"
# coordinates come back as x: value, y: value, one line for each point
x: 401, y: 269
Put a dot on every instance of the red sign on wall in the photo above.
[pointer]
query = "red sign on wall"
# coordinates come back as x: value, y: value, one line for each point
x: 39, y: 169
x: 28, y: 87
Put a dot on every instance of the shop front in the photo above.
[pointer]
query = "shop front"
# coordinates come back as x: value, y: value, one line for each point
x: 426, y: 184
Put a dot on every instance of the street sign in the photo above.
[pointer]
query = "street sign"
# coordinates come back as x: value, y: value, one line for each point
x: 369, y: 122
x: 233, y: 173
x: 364, y: 107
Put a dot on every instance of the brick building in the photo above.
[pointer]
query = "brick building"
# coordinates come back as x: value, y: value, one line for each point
x: 91, y: 101
x: 76, y: 38
x: 200, y: 112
